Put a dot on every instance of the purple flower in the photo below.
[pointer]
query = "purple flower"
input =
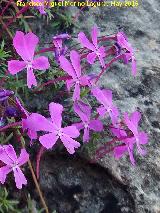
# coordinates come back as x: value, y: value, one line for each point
x: 129, y: 55
x: 105, y: 98
x: 11, y: 111
x: 9, y: 157
x: 25, y: 114
x: 58, y: 43
x: 4, y: 94
x: 84, y: 112
x: 132, y: 124
x: 37, y: 122
x: 74, y: 70
x: 96, y: 50
x: 25, y: 46
x: 128, y: 146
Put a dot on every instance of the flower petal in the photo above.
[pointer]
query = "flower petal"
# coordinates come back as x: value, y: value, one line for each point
x: 69, y: 84
x: 4, y: 157
x: 37, y: 122
x: 76, y: 93
x: 25, y: 45
x: 119, y: 151
x: 75, y: 59
x: 85, y: 42
x: 69, y: 143
x: 3, y: 173
x: 96, y: 125
x: 23, y: 158
x: 48, y: 140
x: 66, y: 66
x: 10, y: 152
x: 83, y: 112
x: 71, y: 131
x: 94, y: 35
x: 86, y: 135
x: 15, y: 66
x: 84, y: 80
x: 41, y: 63
x: 19, y: 177
x: 79, y: 125
x: 91, y: 57
x: 31, y: 79
x: 56, y: 113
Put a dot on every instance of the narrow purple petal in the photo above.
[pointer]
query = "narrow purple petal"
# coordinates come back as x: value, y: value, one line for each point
x: 85, y: 42
x: 71, y: 131
x: 66, y: 66
x: 19, y: 177
x: 91, y: 57
x: 69, y: 143
x: 3, y: 173
x: 86, y: 135
x: 23, y: 158
x: 96, y: 125
x: 37, y: 122
x: 75, y: 59
x: 41, y: 63
x: 76, y: 93
x: 56, y: 113
x: 94, y: 35
x: 48, y: 140
x: 31, y: 79
x: 15, y: 66
x: 10, y: 152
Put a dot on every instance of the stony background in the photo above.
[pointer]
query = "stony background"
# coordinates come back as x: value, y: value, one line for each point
x: 142, y: 26
x: 72, y: 187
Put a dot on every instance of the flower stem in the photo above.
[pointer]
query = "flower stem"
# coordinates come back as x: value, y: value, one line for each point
x: 34, y: 176
x: 2, y: 129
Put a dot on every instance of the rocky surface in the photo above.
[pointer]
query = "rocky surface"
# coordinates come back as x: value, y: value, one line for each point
x: 73, y: 185
x: 142, y: 26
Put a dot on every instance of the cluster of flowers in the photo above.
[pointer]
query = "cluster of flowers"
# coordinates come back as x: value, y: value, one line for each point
x: 127, y: 133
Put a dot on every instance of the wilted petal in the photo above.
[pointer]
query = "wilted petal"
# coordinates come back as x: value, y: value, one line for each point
x: 96, y: 125
x: 15, y: 66
x: 41, y: 63
x: 48, y: 140
x: 19, y: 177
x: 85, y: 42
x: 75, y: 59
x: 56, y: 113
x: 71, y: 131
x: 25, y: 45
x: 3, y: 173
x: 23, y: 158
x: 69, y: 143
x: 91, y: 57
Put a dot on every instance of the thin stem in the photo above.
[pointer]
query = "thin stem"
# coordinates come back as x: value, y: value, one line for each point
x: 34, y: 176
x: 2, y: 129
x: 6, y: 28
x: 108, y: 65
x: 6, y: 7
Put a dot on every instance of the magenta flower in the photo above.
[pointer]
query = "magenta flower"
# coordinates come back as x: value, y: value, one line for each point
x: 84, y: 112
x: 8, y: 156
x: 25, y: 46
x: 37, y: 122
x: 74, y: 70
x: 25, y: 114
x: 96, y: 50
x: 60, y: 49
x: 129, y: 55
x: 105, y: 98
x: 132, y: 124
x: 128, y: 145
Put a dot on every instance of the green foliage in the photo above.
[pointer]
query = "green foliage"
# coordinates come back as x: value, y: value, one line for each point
x: 7, y: 205
x: 3, y: 54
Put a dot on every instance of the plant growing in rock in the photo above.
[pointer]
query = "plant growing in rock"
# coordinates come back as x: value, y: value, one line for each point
x: 72, y: 63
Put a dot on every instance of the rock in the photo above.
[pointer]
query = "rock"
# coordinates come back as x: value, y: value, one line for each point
x: 142, y: 26
x: 71, y: 184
